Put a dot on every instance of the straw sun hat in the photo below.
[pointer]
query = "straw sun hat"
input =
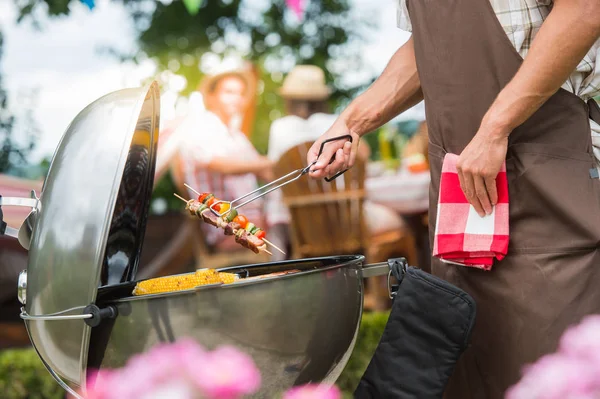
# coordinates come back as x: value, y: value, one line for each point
x: 305, y: 82
x: 209, y: 81
x: 244, y: 71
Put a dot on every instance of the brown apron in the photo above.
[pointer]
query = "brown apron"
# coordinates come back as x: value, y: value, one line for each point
x: 551, y: 276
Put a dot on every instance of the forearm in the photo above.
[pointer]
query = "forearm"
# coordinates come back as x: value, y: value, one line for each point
x: 396, y: 90
x: 231, y: 166
x: 563, y: 40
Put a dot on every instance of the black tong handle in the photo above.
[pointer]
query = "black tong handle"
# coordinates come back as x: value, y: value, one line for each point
x: 329, y: 179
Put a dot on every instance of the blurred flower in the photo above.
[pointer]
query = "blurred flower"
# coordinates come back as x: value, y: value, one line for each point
x: 571, y: 373
x: 556, y: 377
x: 227, y: 373
x: 583, y: 341
x: 313, y: 391
x: 183, y: 370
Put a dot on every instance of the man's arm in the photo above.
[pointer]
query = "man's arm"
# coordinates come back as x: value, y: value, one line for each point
x: 396, y: 90
x: 262, y: 166
x: 570, y: 30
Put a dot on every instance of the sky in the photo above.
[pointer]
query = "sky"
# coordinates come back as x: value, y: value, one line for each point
x: 63, y: 66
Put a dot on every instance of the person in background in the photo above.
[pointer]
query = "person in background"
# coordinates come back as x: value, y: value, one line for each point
x: 305, y: 94
x: 210, y: 152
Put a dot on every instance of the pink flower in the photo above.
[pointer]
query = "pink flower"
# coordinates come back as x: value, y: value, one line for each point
x: 313, y: 391
x: 583, y: 341
x: 556, y: 376
x: 164, y: 368
x: 226, y: 373
x: 183, y: 370
x: 102, y: 389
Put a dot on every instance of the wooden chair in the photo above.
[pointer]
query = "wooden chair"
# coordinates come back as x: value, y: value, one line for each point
x: 328, y: 218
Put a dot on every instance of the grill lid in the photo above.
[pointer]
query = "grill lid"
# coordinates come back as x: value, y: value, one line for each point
x: 91, y: 220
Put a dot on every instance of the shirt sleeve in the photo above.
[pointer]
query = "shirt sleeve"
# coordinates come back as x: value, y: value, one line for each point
x: 402, y: 16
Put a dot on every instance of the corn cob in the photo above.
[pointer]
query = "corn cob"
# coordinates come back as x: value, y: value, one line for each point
x: 183, y: 282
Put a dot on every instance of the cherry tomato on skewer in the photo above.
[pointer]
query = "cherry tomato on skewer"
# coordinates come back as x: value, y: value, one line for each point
x: 241, y: 220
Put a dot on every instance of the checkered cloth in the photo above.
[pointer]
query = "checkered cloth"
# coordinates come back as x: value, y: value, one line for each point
x: 461, y: 235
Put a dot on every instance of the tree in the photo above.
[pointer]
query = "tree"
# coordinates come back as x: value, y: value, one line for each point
x: 328, y: 36
x: 12, y: 154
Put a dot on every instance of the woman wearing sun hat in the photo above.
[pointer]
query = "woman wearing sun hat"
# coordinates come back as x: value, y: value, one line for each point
x: 208, y: 150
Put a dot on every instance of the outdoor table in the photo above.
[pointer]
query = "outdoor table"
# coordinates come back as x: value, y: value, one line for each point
x: 408, y: 194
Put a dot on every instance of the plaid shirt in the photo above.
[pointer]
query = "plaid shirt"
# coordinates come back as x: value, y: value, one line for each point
x: 521, y: 20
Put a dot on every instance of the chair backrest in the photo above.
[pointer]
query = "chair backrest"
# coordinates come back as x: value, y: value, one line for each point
x: 326, y: 218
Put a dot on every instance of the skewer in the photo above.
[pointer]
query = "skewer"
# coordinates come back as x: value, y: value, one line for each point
x: 180, y: 197
x: 273, y: 245
x: 266, y: 250
x: 185, y: 184
x: 268, y: 242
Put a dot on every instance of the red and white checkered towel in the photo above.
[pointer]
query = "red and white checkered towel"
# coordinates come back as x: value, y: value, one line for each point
x: 461, y: 235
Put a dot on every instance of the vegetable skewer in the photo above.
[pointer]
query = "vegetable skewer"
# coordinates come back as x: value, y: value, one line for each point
x: 243, y: 237
x: 262, y: 238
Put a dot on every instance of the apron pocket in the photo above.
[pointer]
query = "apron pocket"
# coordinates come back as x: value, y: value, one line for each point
x: 554, y: 204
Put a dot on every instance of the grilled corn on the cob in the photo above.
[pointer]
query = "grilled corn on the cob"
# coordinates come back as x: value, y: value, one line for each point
x: 183, y: 282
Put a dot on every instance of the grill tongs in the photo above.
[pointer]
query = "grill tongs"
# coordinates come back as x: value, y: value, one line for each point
x: 292, y: 176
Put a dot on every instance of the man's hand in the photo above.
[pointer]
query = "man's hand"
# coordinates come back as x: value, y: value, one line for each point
x: 396, y: 90
x: 478, y: 165
x: 344, y: 151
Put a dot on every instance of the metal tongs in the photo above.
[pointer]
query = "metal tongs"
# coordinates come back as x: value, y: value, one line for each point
x: 298, y: 173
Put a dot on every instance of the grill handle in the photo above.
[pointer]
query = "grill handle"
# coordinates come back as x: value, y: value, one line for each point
x: 395, y: 267
x: 92, y: 315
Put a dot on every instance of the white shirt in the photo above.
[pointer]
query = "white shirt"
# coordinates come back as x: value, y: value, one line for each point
x: 289, y: 131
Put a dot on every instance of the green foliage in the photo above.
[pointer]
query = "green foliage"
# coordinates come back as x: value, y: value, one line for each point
x: 23, y: 376
x: 271, y: 37
x: 369, y: 334
x: 12, y: 154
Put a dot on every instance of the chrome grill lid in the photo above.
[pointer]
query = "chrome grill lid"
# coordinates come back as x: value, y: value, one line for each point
x: 91, y: 222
